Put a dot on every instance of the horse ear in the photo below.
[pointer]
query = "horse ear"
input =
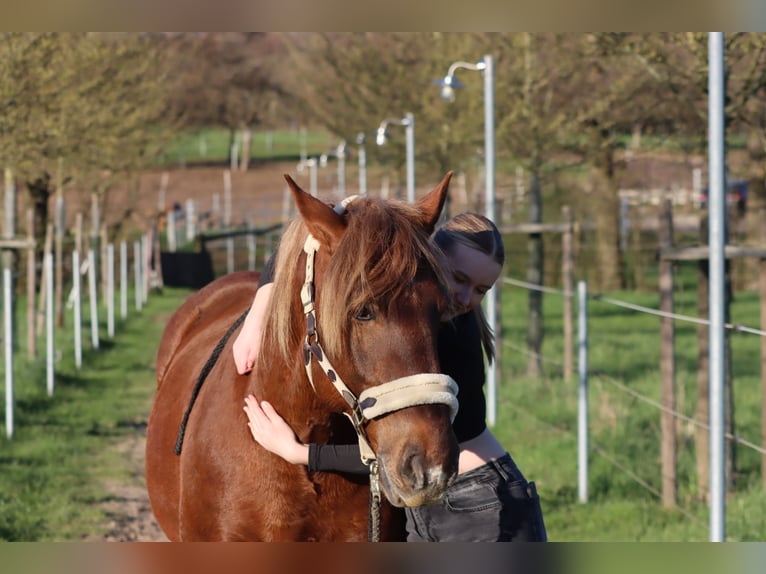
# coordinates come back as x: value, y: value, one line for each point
x: 320, y: 219
x: 431, y: 204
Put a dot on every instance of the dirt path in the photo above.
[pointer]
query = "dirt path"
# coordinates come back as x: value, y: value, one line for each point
x: 130, y: 515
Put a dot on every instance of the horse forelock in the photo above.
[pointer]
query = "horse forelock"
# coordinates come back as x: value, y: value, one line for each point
x: 382, y: 252
x: 376, y: 262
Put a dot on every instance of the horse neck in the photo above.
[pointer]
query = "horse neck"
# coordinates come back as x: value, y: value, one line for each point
x: 285, y: 385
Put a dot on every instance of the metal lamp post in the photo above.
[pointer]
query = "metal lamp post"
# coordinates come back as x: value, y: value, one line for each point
x: 408, y: 121
x: 340, y: 152
x: 362, y: 164
x: 312, y: 164
x: 449, y: 83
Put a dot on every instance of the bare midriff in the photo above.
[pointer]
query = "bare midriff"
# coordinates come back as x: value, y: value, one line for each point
x: 478, y: 451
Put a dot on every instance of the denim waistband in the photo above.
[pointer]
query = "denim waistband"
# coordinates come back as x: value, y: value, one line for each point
x: 503, y: 467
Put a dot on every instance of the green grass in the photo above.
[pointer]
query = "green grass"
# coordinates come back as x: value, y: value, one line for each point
x: 52, y: 471
x: 214, y: 145
x: 537, y: 421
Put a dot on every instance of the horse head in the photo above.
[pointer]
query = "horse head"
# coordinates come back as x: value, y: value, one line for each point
x: 365, y: 328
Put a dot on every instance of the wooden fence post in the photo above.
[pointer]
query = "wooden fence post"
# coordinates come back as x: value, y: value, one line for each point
x: 567, y: 279
x: 667, y: 360
x: 44, y: 279
x: 702, y: 433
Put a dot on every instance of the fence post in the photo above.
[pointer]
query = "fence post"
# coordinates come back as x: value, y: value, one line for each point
x: 44, y: 279
x: 137, y: 273
x: 124, y: 279
x: 567, y: 279
x: 93, y: 298
x: 77, y: 300
x: 9, y: 231
x: 190, y: 220
x: 582, y: 401
x: 8, y: 344
x: 227, y: 221
x: 49, y: 311
x: 110, y: 289
x: 667, y: 360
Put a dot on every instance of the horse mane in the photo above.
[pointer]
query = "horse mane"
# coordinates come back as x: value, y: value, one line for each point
x: 376, y: 261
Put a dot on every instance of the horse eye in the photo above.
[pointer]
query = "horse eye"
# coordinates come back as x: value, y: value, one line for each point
x: 365, y: 314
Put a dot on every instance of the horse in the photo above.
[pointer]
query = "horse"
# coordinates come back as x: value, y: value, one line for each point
x: 350, y: 335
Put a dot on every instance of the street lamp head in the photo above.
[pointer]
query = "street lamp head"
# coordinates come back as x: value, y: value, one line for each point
x: 448, y: 85
x: 447, y: 93
x: 380, y: 136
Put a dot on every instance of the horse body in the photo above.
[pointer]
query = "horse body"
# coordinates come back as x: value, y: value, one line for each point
x: 223, y: 486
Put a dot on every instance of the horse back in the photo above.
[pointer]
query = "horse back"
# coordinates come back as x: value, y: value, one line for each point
x: 222, y: 300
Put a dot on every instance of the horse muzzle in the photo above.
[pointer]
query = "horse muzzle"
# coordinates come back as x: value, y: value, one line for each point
x: 411, y: 480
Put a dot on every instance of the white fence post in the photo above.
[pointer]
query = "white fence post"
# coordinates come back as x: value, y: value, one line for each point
x: 582, y: 402
x: 137, y: 273
x: 124, y: 279
x: 77, y: 300
x: 8, y: 340
x: 110, y: 289
x: 49, y: 346
x: 93, y: 299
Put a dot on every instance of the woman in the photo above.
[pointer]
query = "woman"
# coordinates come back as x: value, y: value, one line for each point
x: 490, y: 500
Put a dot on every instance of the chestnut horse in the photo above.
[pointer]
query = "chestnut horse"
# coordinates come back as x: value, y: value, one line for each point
x: 355, y: 310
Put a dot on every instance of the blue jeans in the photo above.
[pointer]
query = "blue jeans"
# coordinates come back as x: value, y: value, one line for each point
x: 491, y: 503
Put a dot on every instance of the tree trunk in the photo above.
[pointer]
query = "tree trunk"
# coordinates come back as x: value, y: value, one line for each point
x: 606, y: 212
x: 39, y: 191
x: 756, y: 196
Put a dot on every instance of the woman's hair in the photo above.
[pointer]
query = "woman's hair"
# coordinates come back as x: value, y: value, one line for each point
x: 476, y: 232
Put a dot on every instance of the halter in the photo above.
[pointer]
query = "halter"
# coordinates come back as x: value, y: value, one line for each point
x: 423, y: 388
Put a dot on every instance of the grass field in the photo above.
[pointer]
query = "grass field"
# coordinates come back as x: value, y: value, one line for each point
x: 214, y: 145
x: 537, y: 421
x: 53, y: 471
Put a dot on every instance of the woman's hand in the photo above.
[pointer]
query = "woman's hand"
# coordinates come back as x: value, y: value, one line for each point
x: 273, y: 433
x: 245, y: 348
x: 248, y: 341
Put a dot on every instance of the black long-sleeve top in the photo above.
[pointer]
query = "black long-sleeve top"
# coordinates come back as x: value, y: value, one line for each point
x: 460, y: 356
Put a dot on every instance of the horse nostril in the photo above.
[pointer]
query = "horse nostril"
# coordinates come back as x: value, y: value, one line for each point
x: 414, y: 469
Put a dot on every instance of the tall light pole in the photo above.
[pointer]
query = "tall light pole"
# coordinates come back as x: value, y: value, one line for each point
x: 408, y: 121
x: 310, y: 163
x: 717, y: 240
x: 362, y: 164
x: 340, y: 152
x: 448, y: 84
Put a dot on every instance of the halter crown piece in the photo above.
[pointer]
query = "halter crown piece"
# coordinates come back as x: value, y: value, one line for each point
x: 423, y: 388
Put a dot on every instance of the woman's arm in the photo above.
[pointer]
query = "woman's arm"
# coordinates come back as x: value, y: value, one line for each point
x: 274, y: 434
x: 247, y: 345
